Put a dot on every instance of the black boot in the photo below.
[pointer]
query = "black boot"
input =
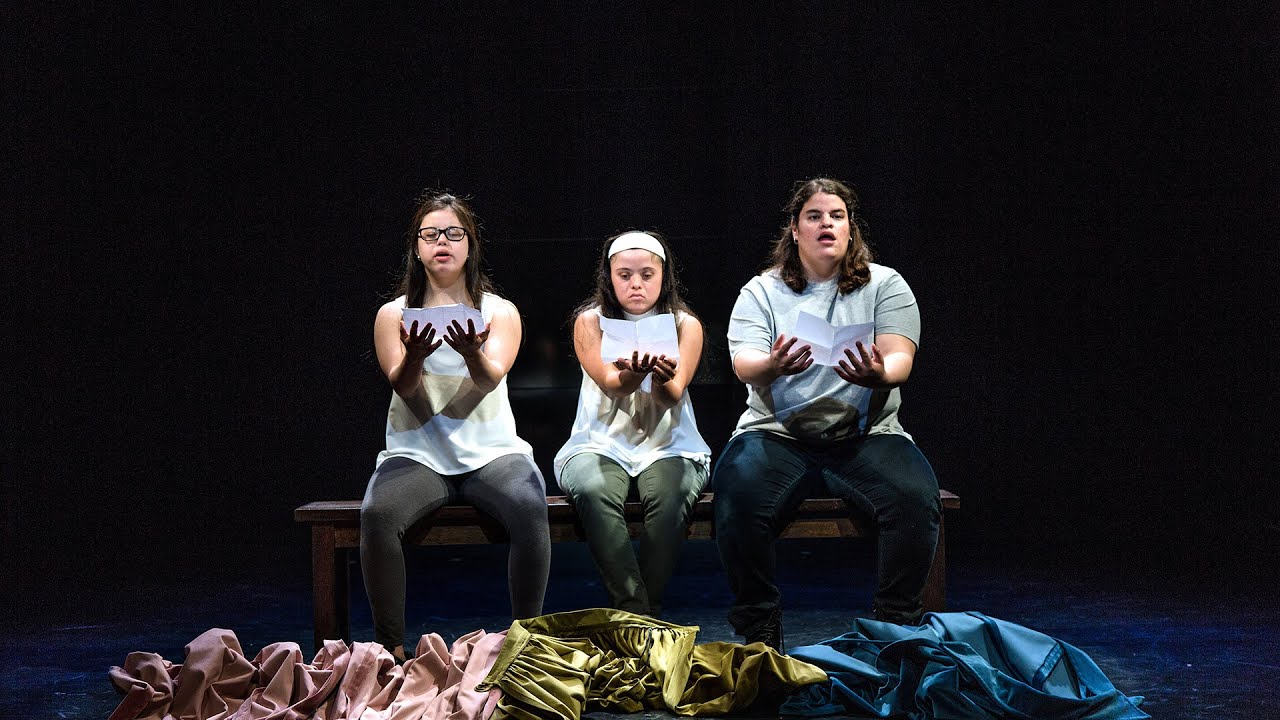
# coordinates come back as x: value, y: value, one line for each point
x: 898, y: 617
x: 767, y: 631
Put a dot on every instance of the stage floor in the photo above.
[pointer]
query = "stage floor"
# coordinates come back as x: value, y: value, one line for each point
x: 1193, y: 647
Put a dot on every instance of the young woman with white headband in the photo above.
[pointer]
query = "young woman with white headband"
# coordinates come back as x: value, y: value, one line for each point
x: 628, y: 432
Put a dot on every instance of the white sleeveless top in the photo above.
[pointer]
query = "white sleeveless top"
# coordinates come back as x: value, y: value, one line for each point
x: 448, y: 424
x: 634, y: 431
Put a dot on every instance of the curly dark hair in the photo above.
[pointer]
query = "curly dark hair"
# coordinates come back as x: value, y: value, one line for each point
x: 855, y: 270
x: 413, y: 280
x: 669, y: 298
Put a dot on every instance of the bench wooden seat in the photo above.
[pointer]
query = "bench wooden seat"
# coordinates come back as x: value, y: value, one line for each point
x: 335, y: 530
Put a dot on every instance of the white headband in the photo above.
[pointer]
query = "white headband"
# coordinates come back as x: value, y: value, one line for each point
x: 637, y: 241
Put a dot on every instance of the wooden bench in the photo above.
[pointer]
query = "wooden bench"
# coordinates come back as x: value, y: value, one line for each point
x: 335, y: 530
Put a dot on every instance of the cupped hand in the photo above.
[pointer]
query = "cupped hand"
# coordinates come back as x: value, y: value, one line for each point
x: 640, y: 365
x: 865, y: 367
x: 419, y: 345
x: 786, y: 359
x: 664, y: 368
x: 466, y: 341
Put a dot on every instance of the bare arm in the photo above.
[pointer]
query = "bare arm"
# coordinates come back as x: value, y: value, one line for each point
x: 401, y: 351
x: 670, y: 379
x: 614, y: 381
x: 885, y: 365
x: 761, y: 369
x: 490, y: 351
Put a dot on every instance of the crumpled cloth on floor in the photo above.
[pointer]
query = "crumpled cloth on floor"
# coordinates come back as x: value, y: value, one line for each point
x: 956, y: 666
x: 217, y: 681
x: 565, y: 664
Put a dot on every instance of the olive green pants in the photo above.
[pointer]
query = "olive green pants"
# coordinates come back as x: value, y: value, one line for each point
x: 668, y: 489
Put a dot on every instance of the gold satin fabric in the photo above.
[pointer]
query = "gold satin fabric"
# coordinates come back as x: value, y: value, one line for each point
x: 565, y: 664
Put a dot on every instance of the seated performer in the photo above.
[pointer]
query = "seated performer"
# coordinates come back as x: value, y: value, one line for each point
x: 450, y: 432
x: 822, y: 430
x: 634, y: 425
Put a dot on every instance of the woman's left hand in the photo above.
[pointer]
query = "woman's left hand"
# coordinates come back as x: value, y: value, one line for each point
x: 466, y: 342
x: 664, y: 368
x: 863, y: 368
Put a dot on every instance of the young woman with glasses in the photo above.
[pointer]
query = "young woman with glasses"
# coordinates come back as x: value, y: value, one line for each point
x: 450, y: 432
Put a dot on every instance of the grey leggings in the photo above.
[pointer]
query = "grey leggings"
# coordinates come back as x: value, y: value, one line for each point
x: 668, y: 490
x: 403, y: 491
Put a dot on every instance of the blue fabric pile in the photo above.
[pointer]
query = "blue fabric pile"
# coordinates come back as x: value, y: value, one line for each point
x: 956, y: 666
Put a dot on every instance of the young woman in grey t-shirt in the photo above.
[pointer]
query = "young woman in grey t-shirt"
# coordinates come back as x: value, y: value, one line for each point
x: 811, y: 429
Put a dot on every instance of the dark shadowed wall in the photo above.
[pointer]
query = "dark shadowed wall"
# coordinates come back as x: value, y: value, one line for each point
x: 204, y: 211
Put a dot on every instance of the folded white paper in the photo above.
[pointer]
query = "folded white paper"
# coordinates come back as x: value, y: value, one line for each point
x: 655, y: 335
x: 441, y: 316
x: 828, y: 342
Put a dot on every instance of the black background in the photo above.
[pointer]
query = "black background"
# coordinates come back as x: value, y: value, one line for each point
x: 206, y: 208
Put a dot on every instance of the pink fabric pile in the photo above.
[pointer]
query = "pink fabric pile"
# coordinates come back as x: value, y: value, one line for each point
x: 361, y: 682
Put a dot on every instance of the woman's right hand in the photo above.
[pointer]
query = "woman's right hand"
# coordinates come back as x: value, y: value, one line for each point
x: 419, y: 346
x: 782, y: 361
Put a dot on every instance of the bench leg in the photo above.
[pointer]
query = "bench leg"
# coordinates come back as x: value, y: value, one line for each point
x: 935, y: 587
x: 329, y: 595
x: 342, y: 593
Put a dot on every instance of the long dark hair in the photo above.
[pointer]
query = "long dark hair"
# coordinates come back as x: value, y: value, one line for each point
x: 855, y: 270
x: 413, y: 281
x: 669, y: 298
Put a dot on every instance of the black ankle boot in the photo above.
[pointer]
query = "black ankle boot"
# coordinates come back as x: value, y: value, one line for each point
x: 767, y: 631
x: 898, y: 617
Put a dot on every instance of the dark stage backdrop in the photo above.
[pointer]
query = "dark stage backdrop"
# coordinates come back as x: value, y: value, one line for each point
x: 205, y: 210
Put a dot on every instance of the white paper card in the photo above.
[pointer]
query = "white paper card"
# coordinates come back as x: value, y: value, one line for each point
x: 655, y: 335
x: 828, y: 342
x: 441, y: 316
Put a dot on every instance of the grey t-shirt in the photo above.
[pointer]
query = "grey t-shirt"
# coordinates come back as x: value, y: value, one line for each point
x: 816, y: 405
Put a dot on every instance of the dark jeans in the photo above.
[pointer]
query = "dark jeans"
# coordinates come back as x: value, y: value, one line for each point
x: 761, y: 479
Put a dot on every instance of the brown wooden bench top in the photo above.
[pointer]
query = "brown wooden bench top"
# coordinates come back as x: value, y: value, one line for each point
x: 465, y: 525
x: 335, y: 530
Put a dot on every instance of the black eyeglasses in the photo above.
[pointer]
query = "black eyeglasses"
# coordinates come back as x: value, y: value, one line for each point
x: 453, y: 233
